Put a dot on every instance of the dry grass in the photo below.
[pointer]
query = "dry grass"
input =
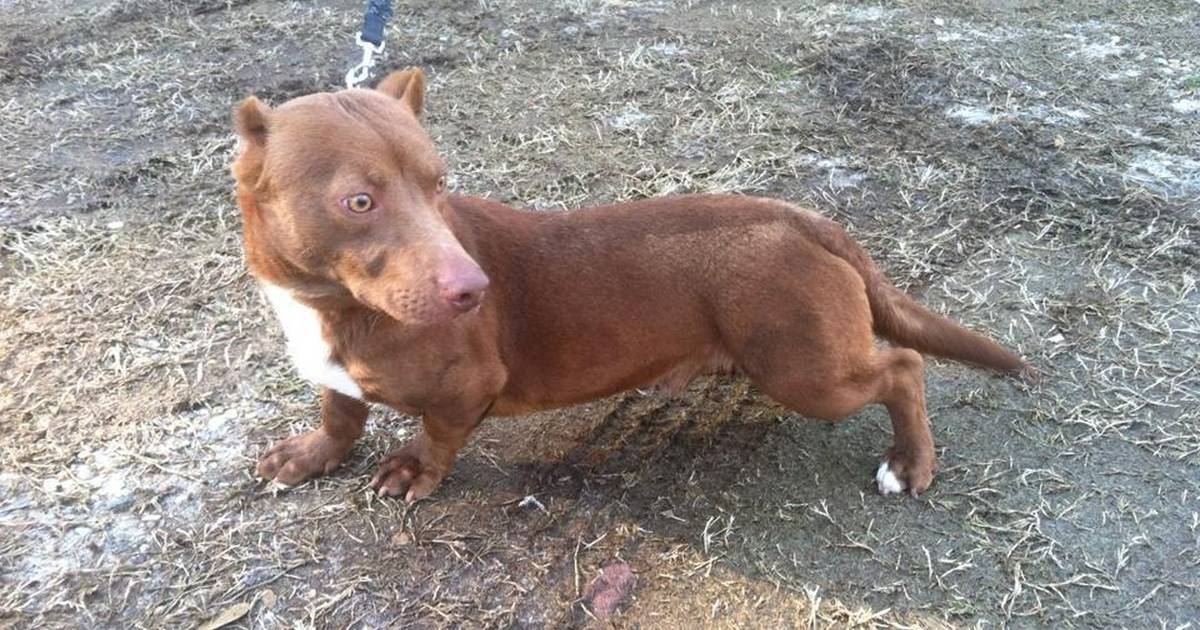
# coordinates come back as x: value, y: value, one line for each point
x: 1017, y: 168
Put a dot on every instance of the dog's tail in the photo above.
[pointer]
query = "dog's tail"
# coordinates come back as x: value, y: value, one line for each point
x: 904, y: 321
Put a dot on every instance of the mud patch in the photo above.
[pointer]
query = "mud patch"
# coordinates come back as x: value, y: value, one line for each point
x: 1165, y: 172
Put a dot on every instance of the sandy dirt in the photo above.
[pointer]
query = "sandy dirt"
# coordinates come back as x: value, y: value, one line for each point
x: 1030, y: 168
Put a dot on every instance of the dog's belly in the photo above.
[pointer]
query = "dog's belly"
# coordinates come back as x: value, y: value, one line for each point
x: 529, y: 390
x: 676, y: 380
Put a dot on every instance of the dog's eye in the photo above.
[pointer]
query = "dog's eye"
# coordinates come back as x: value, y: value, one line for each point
x: 360, y: 203
x: 441, y: 183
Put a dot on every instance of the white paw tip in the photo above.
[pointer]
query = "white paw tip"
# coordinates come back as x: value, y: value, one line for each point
x: 887, y: 481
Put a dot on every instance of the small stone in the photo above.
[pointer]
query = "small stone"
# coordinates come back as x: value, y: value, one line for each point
x: 119, y: 503
x: 609, y: 590
x: 401, y: 538
x: 1186, y: 106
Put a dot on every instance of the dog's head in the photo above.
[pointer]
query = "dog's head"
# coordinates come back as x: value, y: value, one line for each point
x: 343, y: 197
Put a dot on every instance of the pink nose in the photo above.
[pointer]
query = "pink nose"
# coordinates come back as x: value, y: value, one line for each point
x: 462, y: 286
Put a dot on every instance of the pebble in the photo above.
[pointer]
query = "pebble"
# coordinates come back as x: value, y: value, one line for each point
x: 609, y: 590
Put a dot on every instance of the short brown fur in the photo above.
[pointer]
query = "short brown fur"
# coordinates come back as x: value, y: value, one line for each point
x: 577, y: 306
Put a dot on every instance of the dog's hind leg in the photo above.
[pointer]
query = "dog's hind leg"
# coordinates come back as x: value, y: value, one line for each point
x: 317, y: 452
x: 894, y: 377
x: 911, y: 462
x: 809, y: 344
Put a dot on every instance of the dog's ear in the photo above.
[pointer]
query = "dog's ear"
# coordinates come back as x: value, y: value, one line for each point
x: 250, y: 119
x: 406, y: 85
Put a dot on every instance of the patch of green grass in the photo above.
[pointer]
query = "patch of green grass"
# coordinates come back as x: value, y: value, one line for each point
x: 784, y: 71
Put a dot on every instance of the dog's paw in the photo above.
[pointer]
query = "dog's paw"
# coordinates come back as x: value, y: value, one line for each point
x: 899, y: 472
x: 302, y: 456
x: 408, y: 471
x: 886, y: 480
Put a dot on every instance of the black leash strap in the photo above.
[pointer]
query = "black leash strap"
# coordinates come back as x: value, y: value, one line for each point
x: 374, y: 21
x: 370, y: 40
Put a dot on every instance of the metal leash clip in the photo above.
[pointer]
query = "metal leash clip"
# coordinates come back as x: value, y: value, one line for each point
x: 362, y: 71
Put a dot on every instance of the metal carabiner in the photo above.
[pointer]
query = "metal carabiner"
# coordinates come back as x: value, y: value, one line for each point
x: 362, y: 71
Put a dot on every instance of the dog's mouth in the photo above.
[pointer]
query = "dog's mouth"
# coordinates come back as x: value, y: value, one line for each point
x: 411, y: 308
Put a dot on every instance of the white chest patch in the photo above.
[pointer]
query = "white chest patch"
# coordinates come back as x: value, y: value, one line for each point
x: 306, y: 345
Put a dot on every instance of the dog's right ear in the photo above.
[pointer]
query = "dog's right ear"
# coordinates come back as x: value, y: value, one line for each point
x: 250, y: 119
x: 407, y: 86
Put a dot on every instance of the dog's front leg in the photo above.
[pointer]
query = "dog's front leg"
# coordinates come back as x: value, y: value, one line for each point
x: 421, y: 464
x: 317, y: 452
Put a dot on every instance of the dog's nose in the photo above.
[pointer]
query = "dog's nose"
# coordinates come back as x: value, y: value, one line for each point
x: 463, y: 288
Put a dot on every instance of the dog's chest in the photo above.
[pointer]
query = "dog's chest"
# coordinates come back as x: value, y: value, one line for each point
x: 306, y: 343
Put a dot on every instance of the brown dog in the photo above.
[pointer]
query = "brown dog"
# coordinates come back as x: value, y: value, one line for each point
x: 452, y: 308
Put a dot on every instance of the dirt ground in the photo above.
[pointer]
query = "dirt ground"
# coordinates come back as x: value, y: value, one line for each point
x: 1031, y: 168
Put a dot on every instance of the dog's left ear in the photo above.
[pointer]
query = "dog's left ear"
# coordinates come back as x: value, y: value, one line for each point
x: 406, y: 85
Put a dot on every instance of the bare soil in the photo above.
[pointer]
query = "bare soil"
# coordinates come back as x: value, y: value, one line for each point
x: 1030, y: 168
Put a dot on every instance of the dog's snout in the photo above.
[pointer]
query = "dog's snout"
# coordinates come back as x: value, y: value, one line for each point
x: 463, y: 287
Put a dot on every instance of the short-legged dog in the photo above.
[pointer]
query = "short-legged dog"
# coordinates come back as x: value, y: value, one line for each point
x: 453, y: 308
